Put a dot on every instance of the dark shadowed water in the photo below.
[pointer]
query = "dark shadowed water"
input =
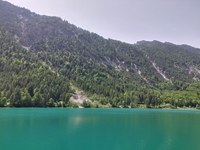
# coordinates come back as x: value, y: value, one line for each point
x: 99, y: 129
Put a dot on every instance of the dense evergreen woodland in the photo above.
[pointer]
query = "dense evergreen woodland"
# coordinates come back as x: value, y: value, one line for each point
x: 43, y: 58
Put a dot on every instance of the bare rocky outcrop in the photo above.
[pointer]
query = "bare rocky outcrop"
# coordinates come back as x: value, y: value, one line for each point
x: 79, y: 97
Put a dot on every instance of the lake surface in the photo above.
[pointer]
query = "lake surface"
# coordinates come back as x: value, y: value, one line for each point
x: 99, y: 129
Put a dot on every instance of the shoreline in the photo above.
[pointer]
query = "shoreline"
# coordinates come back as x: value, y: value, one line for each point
x: 142, y: 108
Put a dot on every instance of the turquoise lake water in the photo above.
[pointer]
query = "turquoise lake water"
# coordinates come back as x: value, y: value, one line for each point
x: 99, y: 129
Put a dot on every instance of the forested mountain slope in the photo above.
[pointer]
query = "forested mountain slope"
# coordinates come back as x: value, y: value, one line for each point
x: 43, y: 57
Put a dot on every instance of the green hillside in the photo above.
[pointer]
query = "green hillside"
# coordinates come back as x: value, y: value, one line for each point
x: 45, y: 60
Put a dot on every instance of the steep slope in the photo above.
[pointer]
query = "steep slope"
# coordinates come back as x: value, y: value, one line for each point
x: 176, y: 63
x: 109, y: 71
x: 27, y: 81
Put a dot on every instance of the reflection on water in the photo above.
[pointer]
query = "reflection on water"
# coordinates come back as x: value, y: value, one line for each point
x: 76, y: 121
x: 99, y: 129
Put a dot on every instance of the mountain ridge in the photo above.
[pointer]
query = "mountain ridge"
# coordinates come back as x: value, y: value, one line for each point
x: 110, y: 72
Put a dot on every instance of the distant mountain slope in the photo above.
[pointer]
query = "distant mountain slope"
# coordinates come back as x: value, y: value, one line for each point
x: 109, y: 71
x: 175, y: 62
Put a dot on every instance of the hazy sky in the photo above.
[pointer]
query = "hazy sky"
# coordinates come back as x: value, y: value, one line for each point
x: 176, y: 21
